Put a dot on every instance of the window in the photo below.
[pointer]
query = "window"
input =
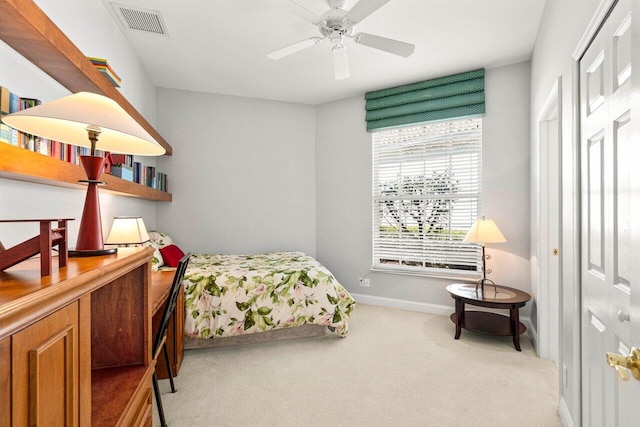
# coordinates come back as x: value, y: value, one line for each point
x: 426, y: 196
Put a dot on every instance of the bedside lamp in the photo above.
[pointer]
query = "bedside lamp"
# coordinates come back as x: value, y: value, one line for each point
x: 127, y: 231
x: 80, y: 119
x: 484, y: 231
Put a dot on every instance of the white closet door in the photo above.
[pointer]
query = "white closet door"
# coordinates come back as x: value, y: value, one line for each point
x: 610, y: 184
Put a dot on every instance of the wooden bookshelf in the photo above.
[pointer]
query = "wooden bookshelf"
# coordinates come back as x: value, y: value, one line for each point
x: 24, y: 165
x: 28, y: 30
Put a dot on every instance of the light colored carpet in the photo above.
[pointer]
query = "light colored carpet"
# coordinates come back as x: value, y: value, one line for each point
x: 396, y: 368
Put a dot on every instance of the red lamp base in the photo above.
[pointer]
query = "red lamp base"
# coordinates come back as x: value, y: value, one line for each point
x: 90, y: 241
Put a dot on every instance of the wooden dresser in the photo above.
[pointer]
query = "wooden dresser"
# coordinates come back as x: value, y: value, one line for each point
x: 75, y: 347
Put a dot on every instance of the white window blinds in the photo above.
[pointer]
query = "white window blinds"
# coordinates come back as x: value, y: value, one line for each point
x: 426, y: 196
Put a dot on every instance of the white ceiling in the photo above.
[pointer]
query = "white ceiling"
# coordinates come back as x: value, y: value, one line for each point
x: 220, y: 46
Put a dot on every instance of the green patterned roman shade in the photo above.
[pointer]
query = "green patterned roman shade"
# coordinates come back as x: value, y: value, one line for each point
x: 459, y: 95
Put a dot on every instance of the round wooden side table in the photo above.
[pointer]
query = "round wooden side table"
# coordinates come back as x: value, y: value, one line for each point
x: 501, y: 297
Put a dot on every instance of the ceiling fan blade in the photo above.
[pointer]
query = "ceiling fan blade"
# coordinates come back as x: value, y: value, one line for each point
x: 388, y: 45
x: 296, y: 9
x: 291, y: 49
x: 340, y: 62
x: 362, y: 9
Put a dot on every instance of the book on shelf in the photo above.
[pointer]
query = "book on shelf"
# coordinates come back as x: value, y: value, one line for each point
x: 14, y: 105
x: 5, y: 131
x: 161, y: 181
x: 137, y: 172
x: 102, y: 65
x: 122, y: 171
x: 150, y: 176
x: 5, y: 98
x: 112, y: 79
x: 14, y: 102
x: 5, y: 134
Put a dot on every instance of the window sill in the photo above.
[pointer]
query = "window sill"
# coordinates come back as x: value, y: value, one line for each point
x: 458, y: 276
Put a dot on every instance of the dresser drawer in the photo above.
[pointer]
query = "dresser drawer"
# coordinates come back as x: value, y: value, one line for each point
x: 144, y: 416
x: 139, y: 412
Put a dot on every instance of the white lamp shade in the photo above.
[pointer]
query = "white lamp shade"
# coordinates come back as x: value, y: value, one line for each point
x: 67, y: 120
x: 484, y: 231
x: 127, y: 230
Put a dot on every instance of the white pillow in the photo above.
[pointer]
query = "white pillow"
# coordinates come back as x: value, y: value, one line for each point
x: 157, y: 240
x: 160, y: 239
x: 156, y: 260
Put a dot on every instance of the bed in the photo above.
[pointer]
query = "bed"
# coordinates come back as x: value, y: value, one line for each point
x: 237, y: 295
x: 238, y: 299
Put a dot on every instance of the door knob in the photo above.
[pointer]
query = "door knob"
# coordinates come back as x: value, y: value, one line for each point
x: 626, y: 364
x: 623, y: 316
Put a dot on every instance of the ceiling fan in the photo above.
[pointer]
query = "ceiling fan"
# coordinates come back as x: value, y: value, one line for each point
x: 336, y: 24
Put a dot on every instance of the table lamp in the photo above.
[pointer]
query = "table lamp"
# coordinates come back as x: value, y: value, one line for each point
x: 127, y: 231
x: 80, y: 119
x: 484, y: 231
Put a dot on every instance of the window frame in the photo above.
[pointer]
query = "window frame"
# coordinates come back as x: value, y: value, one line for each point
x: 450, y: 139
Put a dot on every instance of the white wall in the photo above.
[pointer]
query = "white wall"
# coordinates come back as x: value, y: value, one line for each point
x: 343, y: 175
x: 89, y: 26
x: 563, y: 25
x: 242, y: 174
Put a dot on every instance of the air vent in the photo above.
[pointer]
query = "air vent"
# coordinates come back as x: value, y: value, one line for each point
x: 144, y: 20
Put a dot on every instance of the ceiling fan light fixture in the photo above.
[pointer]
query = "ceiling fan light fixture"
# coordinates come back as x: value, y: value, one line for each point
x: 336, y: 38
x: 340, y: 62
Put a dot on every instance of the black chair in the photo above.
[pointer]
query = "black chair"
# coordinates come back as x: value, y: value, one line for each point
x: 160, y: 339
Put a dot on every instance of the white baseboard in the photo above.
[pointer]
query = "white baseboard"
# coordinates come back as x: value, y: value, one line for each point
x: 423, y: 307
x: 565, y: 415
x: 533, y: 334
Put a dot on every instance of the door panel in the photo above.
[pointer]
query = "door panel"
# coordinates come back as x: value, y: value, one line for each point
x: 595, y: 83
x: 45, y: 387
x: 623, y: 164
x: 594, y: 375
x: 595, y: 205
x: 622, y: 52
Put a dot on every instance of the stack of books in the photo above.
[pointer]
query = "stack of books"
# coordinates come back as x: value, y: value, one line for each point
x: 106, y: 70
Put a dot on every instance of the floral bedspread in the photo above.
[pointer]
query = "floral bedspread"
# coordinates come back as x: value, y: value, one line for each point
x: 227, y: 295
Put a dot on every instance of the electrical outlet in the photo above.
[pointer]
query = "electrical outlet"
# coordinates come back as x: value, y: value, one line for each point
x: 367, y: 283
x: 361, y: 281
